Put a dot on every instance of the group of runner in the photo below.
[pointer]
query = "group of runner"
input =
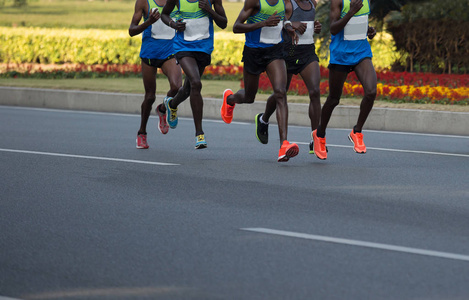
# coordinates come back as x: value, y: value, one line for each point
x: 178, y: 34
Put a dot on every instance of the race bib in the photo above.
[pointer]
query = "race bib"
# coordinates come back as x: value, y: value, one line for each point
x: 307, y: 37
x: 197, y: 29
x: 161, y: 31
x: 356, y: 29
x: 271, y: 35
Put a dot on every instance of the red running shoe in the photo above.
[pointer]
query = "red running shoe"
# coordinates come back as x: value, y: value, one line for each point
x: 319, y: 145
x: 287, y: 151
x: 163, y: 126
x: 142, y: 141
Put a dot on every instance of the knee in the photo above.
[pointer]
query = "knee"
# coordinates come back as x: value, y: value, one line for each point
x: 370, y: 94
x: 149, y: 99
x: 314, y: 94
x: 280, y: 95
x: 196, y: 86
x: 332, y: 101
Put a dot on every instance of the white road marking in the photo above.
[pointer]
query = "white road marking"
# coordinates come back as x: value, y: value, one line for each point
x: 91, y: 157
x: 360, y: 243
x: 396, y: 150
x: 7, y: 298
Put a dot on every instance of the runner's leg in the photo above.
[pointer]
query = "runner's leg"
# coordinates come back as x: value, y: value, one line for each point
x: 311, y: 77
x: 277, y: 73
x: 366, y: 74
x: 149, y: 84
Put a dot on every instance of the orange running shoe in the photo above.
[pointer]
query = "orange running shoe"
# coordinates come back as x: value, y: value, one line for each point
x: 319, y: 145
x: 357, y: 141
x: 287, y: 151
x: 226, y: 109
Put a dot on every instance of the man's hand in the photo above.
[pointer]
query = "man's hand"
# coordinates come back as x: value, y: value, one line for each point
x: 273, y: 20
x: 154, y: 15
x: 355, y: 6
x: 179, y: 25
x: 371, y: 32
x: 317, y: 27
x: 205, y: 5
x: 292, y: 33
x: 300, y: 27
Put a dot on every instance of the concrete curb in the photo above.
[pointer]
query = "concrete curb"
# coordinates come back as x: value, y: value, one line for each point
x: 405, y: 120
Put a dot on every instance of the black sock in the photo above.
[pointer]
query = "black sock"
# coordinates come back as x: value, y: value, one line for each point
x: 199, y: 133
x: 320, y: 134
x: 355, y: 131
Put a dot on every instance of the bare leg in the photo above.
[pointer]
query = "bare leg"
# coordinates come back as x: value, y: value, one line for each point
x: 311, y: 77
x: 336, y: 84
x: 193, y: 73
x: 277, y: 72
x: 367, y: 76
x: 149, y: 83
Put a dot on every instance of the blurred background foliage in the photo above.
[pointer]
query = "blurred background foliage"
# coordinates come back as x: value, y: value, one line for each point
x: 414, y: 35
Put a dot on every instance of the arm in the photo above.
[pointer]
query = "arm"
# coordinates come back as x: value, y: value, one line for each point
x: 250, y: 8
x: 338, y: 24
x: 218, y: 15
x: 141, y: 9
x: 166, y: 16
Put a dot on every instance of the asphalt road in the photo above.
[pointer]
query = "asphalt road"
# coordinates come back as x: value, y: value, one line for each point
x: 85, y: 215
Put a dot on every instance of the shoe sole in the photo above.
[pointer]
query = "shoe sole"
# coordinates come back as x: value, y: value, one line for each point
x: 292, y: 152
x: 201, y: 146
x: 163, y: 125
x: 351, y: 140
x: 257, y: 136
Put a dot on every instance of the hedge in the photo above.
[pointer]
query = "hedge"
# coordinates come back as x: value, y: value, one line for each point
x: 94, y: 46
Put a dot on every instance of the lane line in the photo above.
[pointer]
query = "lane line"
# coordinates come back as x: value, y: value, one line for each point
x: 396, y: 150
x: 360, y: 243
x: 91, y: 157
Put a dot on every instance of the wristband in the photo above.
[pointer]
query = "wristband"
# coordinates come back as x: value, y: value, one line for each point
x: 286, y: 23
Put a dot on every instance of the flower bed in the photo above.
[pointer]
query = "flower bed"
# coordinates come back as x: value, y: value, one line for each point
x: 392, y: 86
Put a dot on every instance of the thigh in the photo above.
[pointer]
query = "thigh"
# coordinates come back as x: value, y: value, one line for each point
x: 172, y: 70
x: 190, y: 67
x: 366, y: 74
x: 277, y: 72
x: 311, y: 76
x: 149, y: 78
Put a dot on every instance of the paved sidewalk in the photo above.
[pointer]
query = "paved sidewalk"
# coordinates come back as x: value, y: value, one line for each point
x: 405, y: 120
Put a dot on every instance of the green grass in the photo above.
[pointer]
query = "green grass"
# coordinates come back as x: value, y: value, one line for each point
x: 113, y: 14
x: 211, y: 88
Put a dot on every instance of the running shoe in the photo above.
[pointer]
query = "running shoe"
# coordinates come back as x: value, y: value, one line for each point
x: 262, y: 130
x: 357, y: 141
x: 200, y: 142
x: 171, y: 113
x: 163, y: 126
x: 226, y: 110
x: 287, y: 151
x: 319, y: 145
x: 311, y: 147
x: 142, y: 141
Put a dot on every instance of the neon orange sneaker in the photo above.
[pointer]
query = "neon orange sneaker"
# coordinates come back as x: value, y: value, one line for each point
x: 319, y: 145
x: 226, y: 109
x: 357, y: 141
x: 142, y: 141
x: 287, y: 151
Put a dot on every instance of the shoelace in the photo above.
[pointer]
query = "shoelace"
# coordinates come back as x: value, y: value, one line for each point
x: 229, y: 109
x: 200, y: 138
x: 173, y: 113
x: 359, y: 138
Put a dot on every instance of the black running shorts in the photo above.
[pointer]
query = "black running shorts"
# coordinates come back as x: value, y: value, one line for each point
x: 345, y: 68
x: 156, y: 63
x: 298, y: 57
x: 256, y: 60
x: 203, y: 59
